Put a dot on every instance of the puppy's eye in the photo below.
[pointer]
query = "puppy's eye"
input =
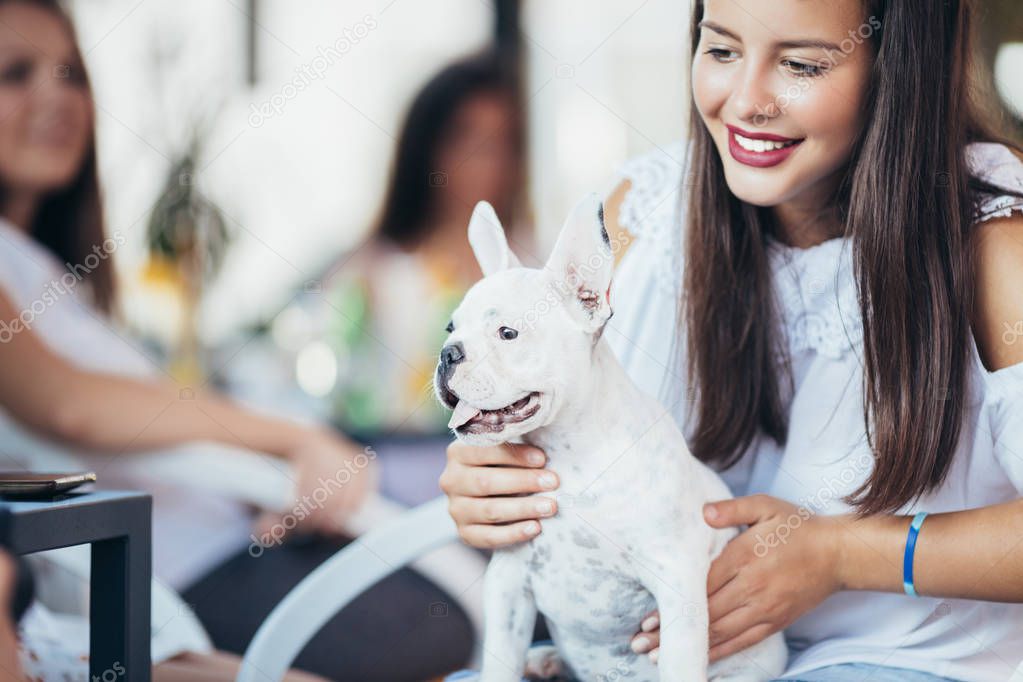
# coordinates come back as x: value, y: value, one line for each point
x: 450, y: 328
x: 507, y: 333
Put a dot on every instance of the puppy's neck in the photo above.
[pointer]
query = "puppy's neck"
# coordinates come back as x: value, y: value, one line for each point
x: 580, y: 430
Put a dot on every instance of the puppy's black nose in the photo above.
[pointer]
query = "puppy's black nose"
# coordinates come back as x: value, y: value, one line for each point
x: 452, y: 354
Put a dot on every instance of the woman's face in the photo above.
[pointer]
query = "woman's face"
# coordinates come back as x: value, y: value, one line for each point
x: 478, y: 154
x: 780, y: 87
x: 45, y: 105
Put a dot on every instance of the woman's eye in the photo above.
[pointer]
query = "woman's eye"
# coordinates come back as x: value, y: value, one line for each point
x: 16, y: 72
x: 721, y: 54
x: 804, y: 69
x: 450, y: 328
x: 507, y: 333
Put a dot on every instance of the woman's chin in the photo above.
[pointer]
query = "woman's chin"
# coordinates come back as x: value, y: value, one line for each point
x: 761, y: 187
x: 45, y: 178
x: 751, y: 193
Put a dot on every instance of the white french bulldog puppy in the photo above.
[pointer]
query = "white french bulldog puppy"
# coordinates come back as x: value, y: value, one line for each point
x: 525, y: 362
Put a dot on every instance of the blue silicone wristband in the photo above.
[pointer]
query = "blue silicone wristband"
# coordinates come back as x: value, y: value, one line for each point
x: 907, y: 561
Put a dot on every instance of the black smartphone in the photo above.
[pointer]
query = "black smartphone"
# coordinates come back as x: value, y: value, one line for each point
x: 24, y: 484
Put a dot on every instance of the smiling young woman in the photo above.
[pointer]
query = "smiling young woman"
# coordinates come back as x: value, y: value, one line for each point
x: 829, y: 310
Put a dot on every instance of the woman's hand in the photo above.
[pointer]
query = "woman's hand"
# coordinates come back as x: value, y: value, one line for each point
x: 333, y: 477
x: 783, y: 565
x: 339, y: 473
x: 485, y: 488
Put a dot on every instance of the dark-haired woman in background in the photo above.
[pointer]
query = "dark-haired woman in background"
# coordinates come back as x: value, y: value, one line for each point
x: 74, y: 391
x: 391, y: 298
x: 389, y: 302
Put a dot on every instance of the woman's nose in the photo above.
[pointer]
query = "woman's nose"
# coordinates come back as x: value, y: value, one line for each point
x: 55, y: 86
x: 753, y: 98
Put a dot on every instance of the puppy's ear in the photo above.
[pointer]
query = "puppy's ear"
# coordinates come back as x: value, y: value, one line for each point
x: 582, y: 263
x: 486, y: 236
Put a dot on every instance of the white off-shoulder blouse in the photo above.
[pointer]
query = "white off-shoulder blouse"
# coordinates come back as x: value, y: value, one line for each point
x: 826, y: 455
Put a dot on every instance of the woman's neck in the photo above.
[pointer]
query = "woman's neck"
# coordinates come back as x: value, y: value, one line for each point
x: 448, y: 244
x: 808, y: 220
x: 803, y: 230
x: 19, y: 208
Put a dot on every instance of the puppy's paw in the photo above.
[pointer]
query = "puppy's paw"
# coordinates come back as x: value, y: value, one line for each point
x: 543, y: 662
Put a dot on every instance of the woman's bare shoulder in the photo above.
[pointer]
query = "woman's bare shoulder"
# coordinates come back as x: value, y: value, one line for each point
x: 999, y: 279
x: 612, y: 213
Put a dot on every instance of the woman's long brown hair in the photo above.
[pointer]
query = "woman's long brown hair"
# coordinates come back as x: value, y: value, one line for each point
x: 69, y: 222
x: 907, y: 201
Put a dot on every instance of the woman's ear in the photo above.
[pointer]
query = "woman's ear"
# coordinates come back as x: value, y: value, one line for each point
x: 486, y: 236
x: 582, y: 263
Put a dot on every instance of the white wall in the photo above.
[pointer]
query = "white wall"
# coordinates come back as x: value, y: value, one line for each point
x: 298, y: 185
x: 607, y: 80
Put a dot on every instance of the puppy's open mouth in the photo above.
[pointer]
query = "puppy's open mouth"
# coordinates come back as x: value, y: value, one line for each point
x: 469, y: 419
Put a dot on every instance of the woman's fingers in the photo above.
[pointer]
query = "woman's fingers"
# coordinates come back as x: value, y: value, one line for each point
x: 645, y: 642
x: 472, y: 510
x: 480, y: 481
x: 726, y: 600
x: 743, y: 641
x: 488, y: 490
x: 651, y: 621
x: 731, y: 633
x: 493, y: 537
x: 732, y: 625
x: 649, y: 636
x: 725, y: 567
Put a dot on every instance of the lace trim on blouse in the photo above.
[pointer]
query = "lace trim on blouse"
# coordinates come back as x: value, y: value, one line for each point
x: 996, y: 164
x: 815, y: 287
x: 652, y: 209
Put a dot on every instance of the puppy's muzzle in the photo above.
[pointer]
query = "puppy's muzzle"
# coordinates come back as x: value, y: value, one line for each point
x: 451, y: 355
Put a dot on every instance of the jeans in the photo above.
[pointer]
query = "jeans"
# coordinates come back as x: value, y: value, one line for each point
x: 845, y: 672
x: 403, y: 642
x: 864, y: 672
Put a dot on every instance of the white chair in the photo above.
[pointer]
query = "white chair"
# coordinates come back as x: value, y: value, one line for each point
x: 388, y: 538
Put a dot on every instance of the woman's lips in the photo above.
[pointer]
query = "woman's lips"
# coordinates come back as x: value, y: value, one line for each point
x: 760, y: 150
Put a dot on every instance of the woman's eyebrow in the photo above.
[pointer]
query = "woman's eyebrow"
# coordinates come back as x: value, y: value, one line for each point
x: 16, y: 50
x: 719, y: 29
x: 807, y: 42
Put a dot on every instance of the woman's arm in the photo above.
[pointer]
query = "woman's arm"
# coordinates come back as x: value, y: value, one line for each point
x: 975, y: 554
x: 107, y: 412
x: 789, y: 559
x: 98, y: 411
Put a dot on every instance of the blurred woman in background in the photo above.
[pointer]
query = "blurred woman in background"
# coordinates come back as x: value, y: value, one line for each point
x: 75, y: 391
x: 389, y: 301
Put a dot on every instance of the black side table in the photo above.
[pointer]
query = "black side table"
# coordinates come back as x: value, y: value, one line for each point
x: 117, y: 525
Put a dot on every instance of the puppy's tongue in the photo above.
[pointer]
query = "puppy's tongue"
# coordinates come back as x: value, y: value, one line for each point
x: 463, y: 413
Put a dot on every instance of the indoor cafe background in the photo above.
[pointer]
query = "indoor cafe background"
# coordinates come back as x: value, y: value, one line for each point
x: 283, y: 115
